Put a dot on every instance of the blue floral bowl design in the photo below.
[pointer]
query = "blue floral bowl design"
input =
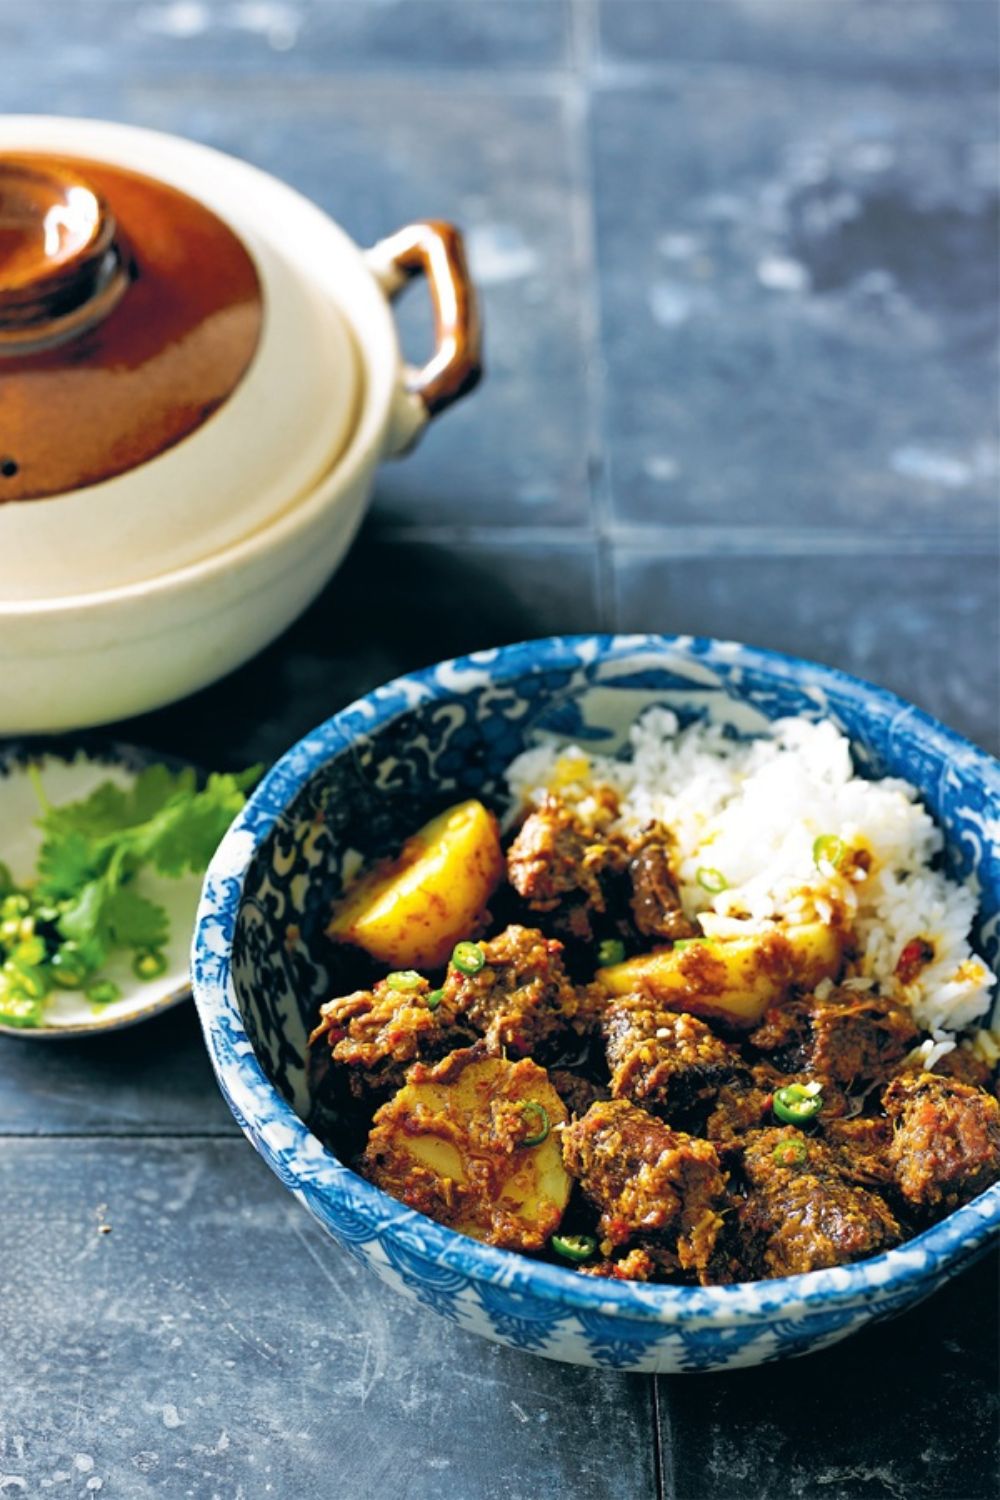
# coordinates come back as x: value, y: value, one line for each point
x: 372, y: 773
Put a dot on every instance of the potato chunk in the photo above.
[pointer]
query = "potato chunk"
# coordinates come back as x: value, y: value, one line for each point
x: 460, y: 1143
x: 411, y: 912
x: 734, y: 980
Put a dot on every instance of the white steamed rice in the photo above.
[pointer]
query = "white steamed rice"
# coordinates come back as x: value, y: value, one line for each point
x: 753, y: 810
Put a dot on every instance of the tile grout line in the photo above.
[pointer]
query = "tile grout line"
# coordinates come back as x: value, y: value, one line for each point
x: 577, y: 113
x: 666, y: 1485
x: 632, y: 75
x: 312, y: 89
x: 550, y: 80
x: 692, y: 541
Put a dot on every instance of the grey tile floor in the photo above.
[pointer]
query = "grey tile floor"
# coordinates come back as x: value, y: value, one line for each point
x: 738, y: 260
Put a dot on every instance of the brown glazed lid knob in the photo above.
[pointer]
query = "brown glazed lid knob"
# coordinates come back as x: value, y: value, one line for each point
x: 60, y: 267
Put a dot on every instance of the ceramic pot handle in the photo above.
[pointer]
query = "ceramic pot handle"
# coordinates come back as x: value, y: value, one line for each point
x: 434, y: 249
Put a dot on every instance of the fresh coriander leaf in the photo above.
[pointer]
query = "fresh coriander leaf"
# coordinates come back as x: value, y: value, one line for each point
x: 111, y: 809
x: 157, y: 786
x: 133, y: 921
x: 66, y: 862
x: 84, y: 921
x: 94, y: 953
x: 94, y: 849
x: 186, y: 834
x: 35, y: 777
x: 103, y: 811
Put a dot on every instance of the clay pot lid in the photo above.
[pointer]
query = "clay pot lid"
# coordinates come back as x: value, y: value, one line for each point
x: 53, y: 229
x: 129, y: 313
x: 173, y: 375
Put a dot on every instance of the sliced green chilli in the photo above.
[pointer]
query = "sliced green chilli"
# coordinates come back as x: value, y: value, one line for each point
x: 541, y: 1131
x: 30, y: 951
x: 828, y: 849
x: 404, y: 979
x: 468, y: 958
x: 103, y: 992
x: 150, y: 963
x: 798, y: 1103
x: 68, y: 967
x: 790, y: 1153
x: 574, y: 1247
x: 18, y: 1008
x: 30, y: 979
x: 611, y: 951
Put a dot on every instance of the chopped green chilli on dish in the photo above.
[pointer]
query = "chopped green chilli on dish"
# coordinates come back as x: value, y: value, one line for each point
x: 539, y: 1114
x: 85, y: 900
x: 468, y: 958
x: 575, y: 1247
x: 711, y: 1015
x: 797, y: 1103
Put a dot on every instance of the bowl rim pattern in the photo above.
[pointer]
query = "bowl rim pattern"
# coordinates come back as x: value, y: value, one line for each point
x: 334, y: 1191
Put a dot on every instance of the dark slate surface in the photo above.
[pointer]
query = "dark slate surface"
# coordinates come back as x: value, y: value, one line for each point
x: 914, y: 41
x: 865, y: 611
x: 738, y: 261
x: 216, y: 1343
x: 907, y: 1411
x: 282, y: 38
x: 154, y: 1080
x: 399, y: 602
x: 780, y: 285
x: 377, y: 153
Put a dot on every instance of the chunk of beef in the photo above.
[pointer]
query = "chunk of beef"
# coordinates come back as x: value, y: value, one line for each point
x: 743, y: 1103
x: 577, y: 1093
x: 784, y: 1035
x: 964, y: 1064
x: 590, y: 879
x: 591, y: 1008
x: 374, y: 1035
x: 561, y: 861
x: 801, y: 1213
x: 521, y: 997
x: 656, y: 906
x: 849, y: 1039
x: 651, y: 1184
x: 636, y: 1264
x: 858, y: 1038
x: 666, y: 1061
x: 834, y: 1102
x: 946, y: 1139
x: 862, y: 1145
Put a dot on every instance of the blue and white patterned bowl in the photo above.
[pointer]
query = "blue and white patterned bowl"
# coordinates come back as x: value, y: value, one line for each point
x: 375, y: 771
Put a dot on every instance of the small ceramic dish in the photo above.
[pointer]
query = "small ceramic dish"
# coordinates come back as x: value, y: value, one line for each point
x: 70, y: 771
x: 182, y: 470
x: 364, y: 781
